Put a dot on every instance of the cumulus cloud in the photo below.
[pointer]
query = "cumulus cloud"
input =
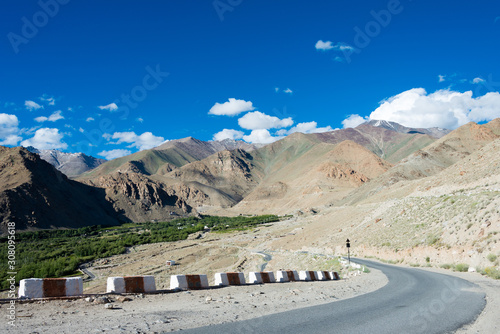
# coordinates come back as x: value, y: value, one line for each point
x: 441, y: 78
x: 113, y: 154
x: 256, y: 120
x: 9, y: 130
x: 143, y: 142
x: 41, y: 119
x: 288, y: 91
x: 443, y: 108
x: 31, y: 105
x: 261, y: 136
x: 307, y: 127
x: 46, y: 139
x: 228, y: 134
x: 109, y: 107
x: 353, y: 121
x: 328, y: 45
x: 477, y: 80
x: 52, y: 118
x: 231, y: 108
x: 90, y: 119
x: 320, y: 45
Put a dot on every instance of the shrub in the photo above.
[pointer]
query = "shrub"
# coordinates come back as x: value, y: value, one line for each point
x: 462, y: 267
x: 446, y: 266
x: 491, y: 257
x: 491, y: 272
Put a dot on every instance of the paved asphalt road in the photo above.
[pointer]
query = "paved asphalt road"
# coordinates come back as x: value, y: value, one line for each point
x: 414, y: 301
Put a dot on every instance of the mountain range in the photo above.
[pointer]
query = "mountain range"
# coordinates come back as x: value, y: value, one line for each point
x: 189, y: 176
x: 70, y: 164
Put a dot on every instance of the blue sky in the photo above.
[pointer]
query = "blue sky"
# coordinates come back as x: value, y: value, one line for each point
x: 109, y: 78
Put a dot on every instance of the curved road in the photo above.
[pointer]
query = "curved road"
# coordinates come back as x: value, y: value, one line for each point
x: 413, y: 301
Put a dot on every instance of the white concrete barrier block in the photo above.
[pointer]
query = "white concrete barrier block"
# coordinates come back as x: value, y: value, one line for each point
x: 178, y: 282
x: 50, y: 287
x: 131, y: 284
x: 256, y: 277
x: 287, y: 276
x: 188, y: 282
x: 31, y: 288
x: 225, y: 279
x: 115, y: 285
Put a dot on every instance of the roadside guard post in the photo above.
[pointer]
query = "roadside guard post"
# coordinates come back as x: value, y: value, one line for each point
x: 348, y: 244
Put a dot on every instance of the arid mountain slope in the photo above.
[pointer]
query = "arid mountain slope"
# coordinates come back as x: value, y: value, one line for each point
x: 321, y: 174
x: 166, y: 157
x: 429, y: 161
x: 34, y: 195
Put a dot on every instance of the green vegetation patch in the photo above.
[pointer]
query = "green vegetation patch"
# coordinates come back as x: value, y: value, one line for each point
x: 57, y: 253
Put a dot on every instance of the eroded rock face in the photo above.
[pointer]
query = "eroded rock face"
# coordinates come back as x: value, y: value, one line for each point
x: 139, y: 196
x: 34, y: 195
x: 344, y: 173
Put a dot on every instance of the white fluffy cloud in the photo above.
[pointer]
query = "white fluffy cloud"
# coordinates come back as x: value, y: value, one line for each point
x: 328, y: 45
x: 231, y: 108
x: 143, y: 142
x: 288, y: 91
x: 307, y: 127
x: 109, y: 107
x: 46, y: 139
x: 113, y: 154
x: 261, y: 136
x: 9, y: 130
x: 90, y: 119
x: 353, y: 121
x: 478, y: 80
x: 320, y: 45
x: 31, y: 105
x: 52, y: 118
x: 228, y: 134
x: 441, y: 78
x: 443, y: 108
x: 257, y: 120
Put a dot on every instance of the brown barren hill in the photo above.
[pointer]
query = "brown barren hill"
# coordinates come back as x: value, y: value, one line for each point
x: 324, y: 173
x: 34, y: 195
x: 429, y: 161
